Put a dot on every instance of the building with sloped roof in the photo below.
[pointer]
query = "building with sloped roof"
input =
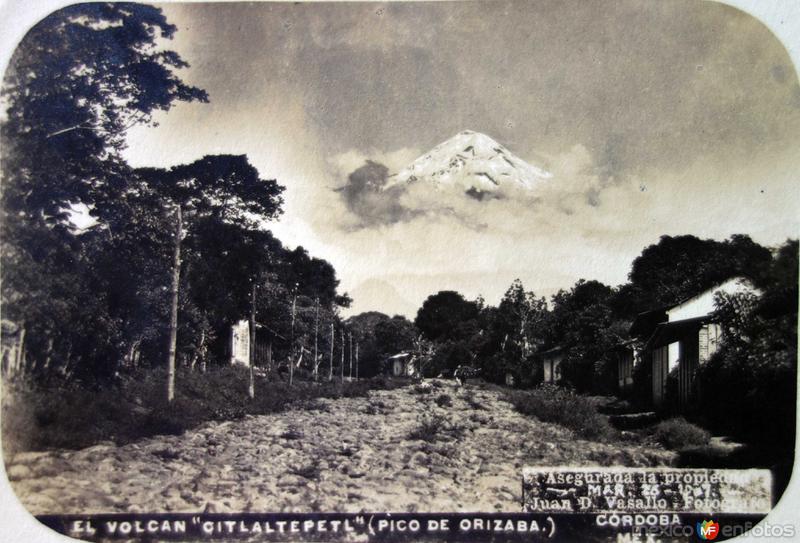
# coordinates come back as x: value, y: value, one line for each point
x: 677, y: 339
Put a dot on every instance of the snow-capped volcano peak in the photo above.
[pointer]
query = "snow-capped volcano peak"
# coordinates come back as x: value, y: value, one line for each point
x: 472, y: 162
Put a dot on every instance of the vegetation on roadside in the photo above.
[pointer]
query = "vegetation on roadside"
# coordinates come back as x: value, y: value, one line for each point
x: 749, y: 387
x: 66, y: 415
x: 444, y: 400
x: 181, y: 254
x: 469, y: 397
x: 678, y: 434
x: 436, y: 427
x: 550, y: 403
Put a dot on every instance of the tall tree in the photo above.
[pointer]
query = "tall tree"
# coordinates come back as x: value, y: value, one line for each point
x: 748, y: 387
x: 523, y: 315
x: 76, y: 83
x: 679, y: 267
x: 516, y: 330
x: 442, y: 314
x: 583, y: 323
x: 221, y: 190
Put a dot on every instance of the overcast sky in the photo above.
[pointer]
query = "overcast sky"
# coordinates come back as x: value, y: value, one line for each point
x: 654, y: 118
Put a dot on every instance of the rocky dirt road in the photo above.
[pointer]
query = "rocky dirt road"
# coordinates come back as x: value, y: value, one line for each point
x: 396, y: 450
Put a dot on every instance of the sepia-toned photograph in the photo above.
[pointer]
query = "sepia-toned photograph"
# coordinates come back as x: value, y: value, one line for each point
x: 357, y: 271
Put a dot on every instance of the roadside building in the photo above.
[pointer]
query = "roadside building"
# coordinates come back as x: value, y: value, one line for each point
x: 12, y: 341
x: 677, y: 339
x: 240, y: 343
x: 402, y: 364
x: 551, y: 363
x: 628, y: 357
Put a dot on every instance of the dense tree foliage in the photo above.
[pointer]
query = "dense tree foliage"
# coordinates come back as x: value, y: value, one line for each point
x: 749, y: 386
x: 96, y: 299
x: 583, y: 324
x: 378, y: 337
x: 679, y: 267
x: 590, y: 322
x: 79, y: 79
x: 444, y: 314
x: 76, y: 83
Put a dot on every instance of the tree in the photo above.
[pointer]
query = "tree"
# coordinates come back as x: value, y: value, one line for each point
x: 371, y: 351
x: 523, y: 314
x: 748, y: 387
x: 315, y: 277
x: 583, y: 324
x: 679, y: 267
x: 517, y: 331
x: 78, y: 80
x: 395, y: 335
x: 378, y: 336
x: 219, y: 190
x: 443, y: 314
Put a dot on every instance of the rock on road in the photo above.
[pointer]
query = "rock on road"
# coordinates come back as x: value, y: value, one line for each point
x: 348, y: 455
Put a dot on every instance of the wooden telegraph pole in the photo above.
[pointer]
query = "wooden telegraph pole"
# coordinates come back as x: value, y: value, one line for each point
x: 342, y: 368
x: 291, y: 350
x: 316, y: 334
x: 251, y: 386
x: 351, y: 355
x: 173, y: 314
x: 333, y: 339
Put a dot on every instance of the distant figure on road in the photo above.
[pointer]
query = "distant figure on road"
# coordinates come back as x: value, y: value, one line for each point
x: 460, y: 375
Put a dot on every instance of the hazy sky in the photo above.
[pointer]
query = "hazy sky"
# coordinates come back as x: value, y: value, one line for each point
x: 654, y: 118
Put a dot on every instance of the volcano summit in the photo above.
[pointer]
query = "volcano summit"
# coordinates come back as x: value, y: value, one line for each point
x: 473, y: 163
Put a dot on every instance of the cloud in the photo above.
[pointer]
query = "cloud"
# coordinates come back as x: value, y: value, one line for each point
x: 654, y: 118
x: 577, y: 182
x: 343, y: 164
x: 364, y: 196
x: 580, y: 180
x: 360, y: 181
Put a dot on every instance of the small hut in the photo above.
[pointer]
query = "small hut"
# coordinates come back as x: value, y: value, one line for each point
x: 240, y: 343
x: 402, y: 364
x: 551, y: 362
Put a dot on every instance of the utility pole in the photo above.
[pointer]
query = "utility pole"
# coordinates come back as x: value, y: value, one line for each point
x: 330, y: 369
x: 291, y: 350
x: 251, y: 387
x: 356, y: 360
x: 316, y: 334
x: 173, y: 314
x: 342, y: 368
x: 351, y: 355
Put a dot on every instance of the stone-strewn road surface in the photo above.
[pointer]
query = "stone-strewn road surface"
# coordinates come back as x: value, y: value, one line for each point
x: 342, y: 455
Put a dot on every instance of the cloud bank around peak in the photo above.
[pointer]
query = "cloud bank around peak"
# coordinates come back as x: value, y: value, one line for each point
x: 577, y: 182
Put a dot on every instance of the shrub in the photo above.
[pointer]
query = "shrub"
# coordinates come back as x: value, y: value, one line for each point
x: 473, y: 402
x: 310, y: 471
x: 292, y: 434
x: 61, y: 414
x: 550, y: 403
x: 435, y: 427
x: 444, y: 400
x: 679, y: 434
x: 422, y: 388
